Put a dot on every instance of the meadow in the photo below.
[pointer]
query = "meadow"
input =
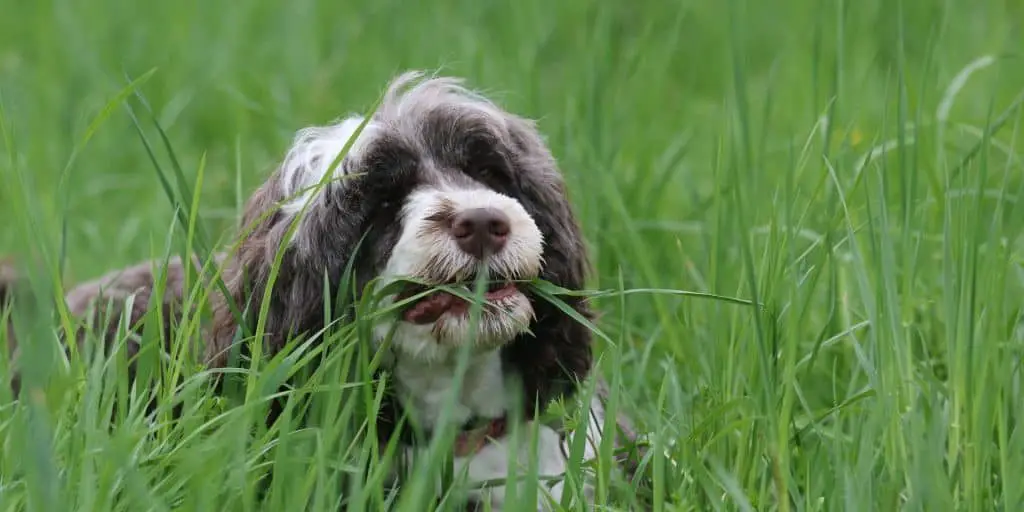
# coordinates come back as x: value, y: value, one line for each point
x: 851, y: 170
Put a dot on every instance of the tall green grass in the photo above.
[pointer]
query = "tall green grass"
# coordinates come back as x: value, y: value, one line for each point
x: 853, y: 167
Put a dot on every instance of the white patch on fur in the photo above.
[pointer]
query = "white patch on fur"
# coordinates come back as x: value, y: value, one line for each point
x: 492, y: 461
x: 424, y: 387
x: 422, y: 246
x: 311, y: 156
x: 419, y: 246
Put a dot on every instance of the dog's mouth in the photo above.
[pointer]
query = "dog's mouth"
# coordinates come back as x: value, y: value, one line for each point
x: 433, y: 306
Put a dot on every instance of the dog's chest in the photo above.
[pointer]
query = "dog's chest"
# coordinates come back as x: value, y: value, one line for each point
x: 535, y: 445
x: 426, y: 388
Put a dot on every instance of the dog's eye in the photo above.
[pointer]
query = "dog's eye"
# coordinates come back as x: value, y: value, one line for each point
x: 483, y: 160
x: 493, y: 174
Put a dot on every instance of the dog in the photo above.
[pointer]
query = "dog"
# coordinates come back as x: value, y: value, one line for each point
x: 439, y: 186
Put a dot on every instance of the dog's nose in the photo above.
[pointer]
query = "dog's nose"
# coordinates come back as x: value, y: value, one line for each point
x: 481, y: 231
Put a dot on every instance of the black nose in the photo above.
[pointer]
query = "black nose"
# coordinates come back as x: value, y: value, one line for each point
x: 480, y: 231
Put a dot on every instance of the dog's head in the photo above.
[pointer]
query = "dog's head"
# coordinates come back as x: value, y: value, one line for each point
x: 439, y: 183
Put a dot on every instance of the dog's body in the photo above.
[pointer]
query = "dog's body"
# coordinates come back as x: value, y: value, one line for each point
x: 439, y: 185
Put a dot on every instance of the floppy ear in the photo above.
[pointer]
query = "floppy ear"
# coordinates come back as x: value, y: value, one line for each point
x: 556, y: 354
x: 246, y: 274
x: 320, y: 249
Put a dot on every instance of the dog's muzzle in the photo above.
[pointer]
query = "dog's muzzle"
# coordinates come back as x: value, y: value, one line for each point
x: 480, y: 232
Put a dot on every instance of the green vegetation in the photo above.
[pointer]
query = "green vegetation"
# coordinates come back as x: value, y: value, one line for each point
x: 854, y: 167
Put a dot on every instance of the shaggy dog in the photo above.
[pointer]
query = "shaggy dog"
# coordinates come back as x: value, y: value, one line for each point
x: 438, y: 186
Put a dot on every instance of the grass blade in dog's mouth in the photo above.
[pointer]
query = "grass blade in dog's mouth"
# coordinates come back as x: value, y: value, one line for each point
x: 425, y: 304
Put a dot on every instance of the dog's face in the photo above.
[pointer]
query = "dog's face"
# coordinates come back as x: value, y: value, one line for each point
x: 450, y: 227
x: 438, y: 184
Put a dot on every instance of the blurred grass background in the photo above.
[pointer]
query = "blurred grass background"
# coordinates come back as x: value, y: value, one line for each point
x: 819, y: 156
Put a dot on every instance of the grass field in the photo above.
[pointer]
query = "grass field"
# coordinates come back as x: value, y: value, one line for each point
x: 854, y: 167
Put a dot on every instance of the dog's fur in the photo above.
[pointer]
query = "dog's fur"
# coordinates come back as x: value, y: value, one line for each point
x: 431, y: 152
x: 117, y: 301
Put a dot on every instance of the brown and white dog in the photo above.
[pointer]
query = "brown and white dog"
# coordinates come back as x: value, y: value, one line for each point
x: 439, y: 183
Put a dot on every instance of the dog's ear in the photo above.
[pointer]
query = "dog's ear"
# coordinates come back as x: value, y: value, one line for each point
x: 315, y: 250
x: 246, y: 273
x: 556, y: 354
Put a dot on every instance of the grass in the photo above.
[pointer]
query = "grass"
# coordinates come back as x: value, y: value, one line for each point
x: 854, y: 167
